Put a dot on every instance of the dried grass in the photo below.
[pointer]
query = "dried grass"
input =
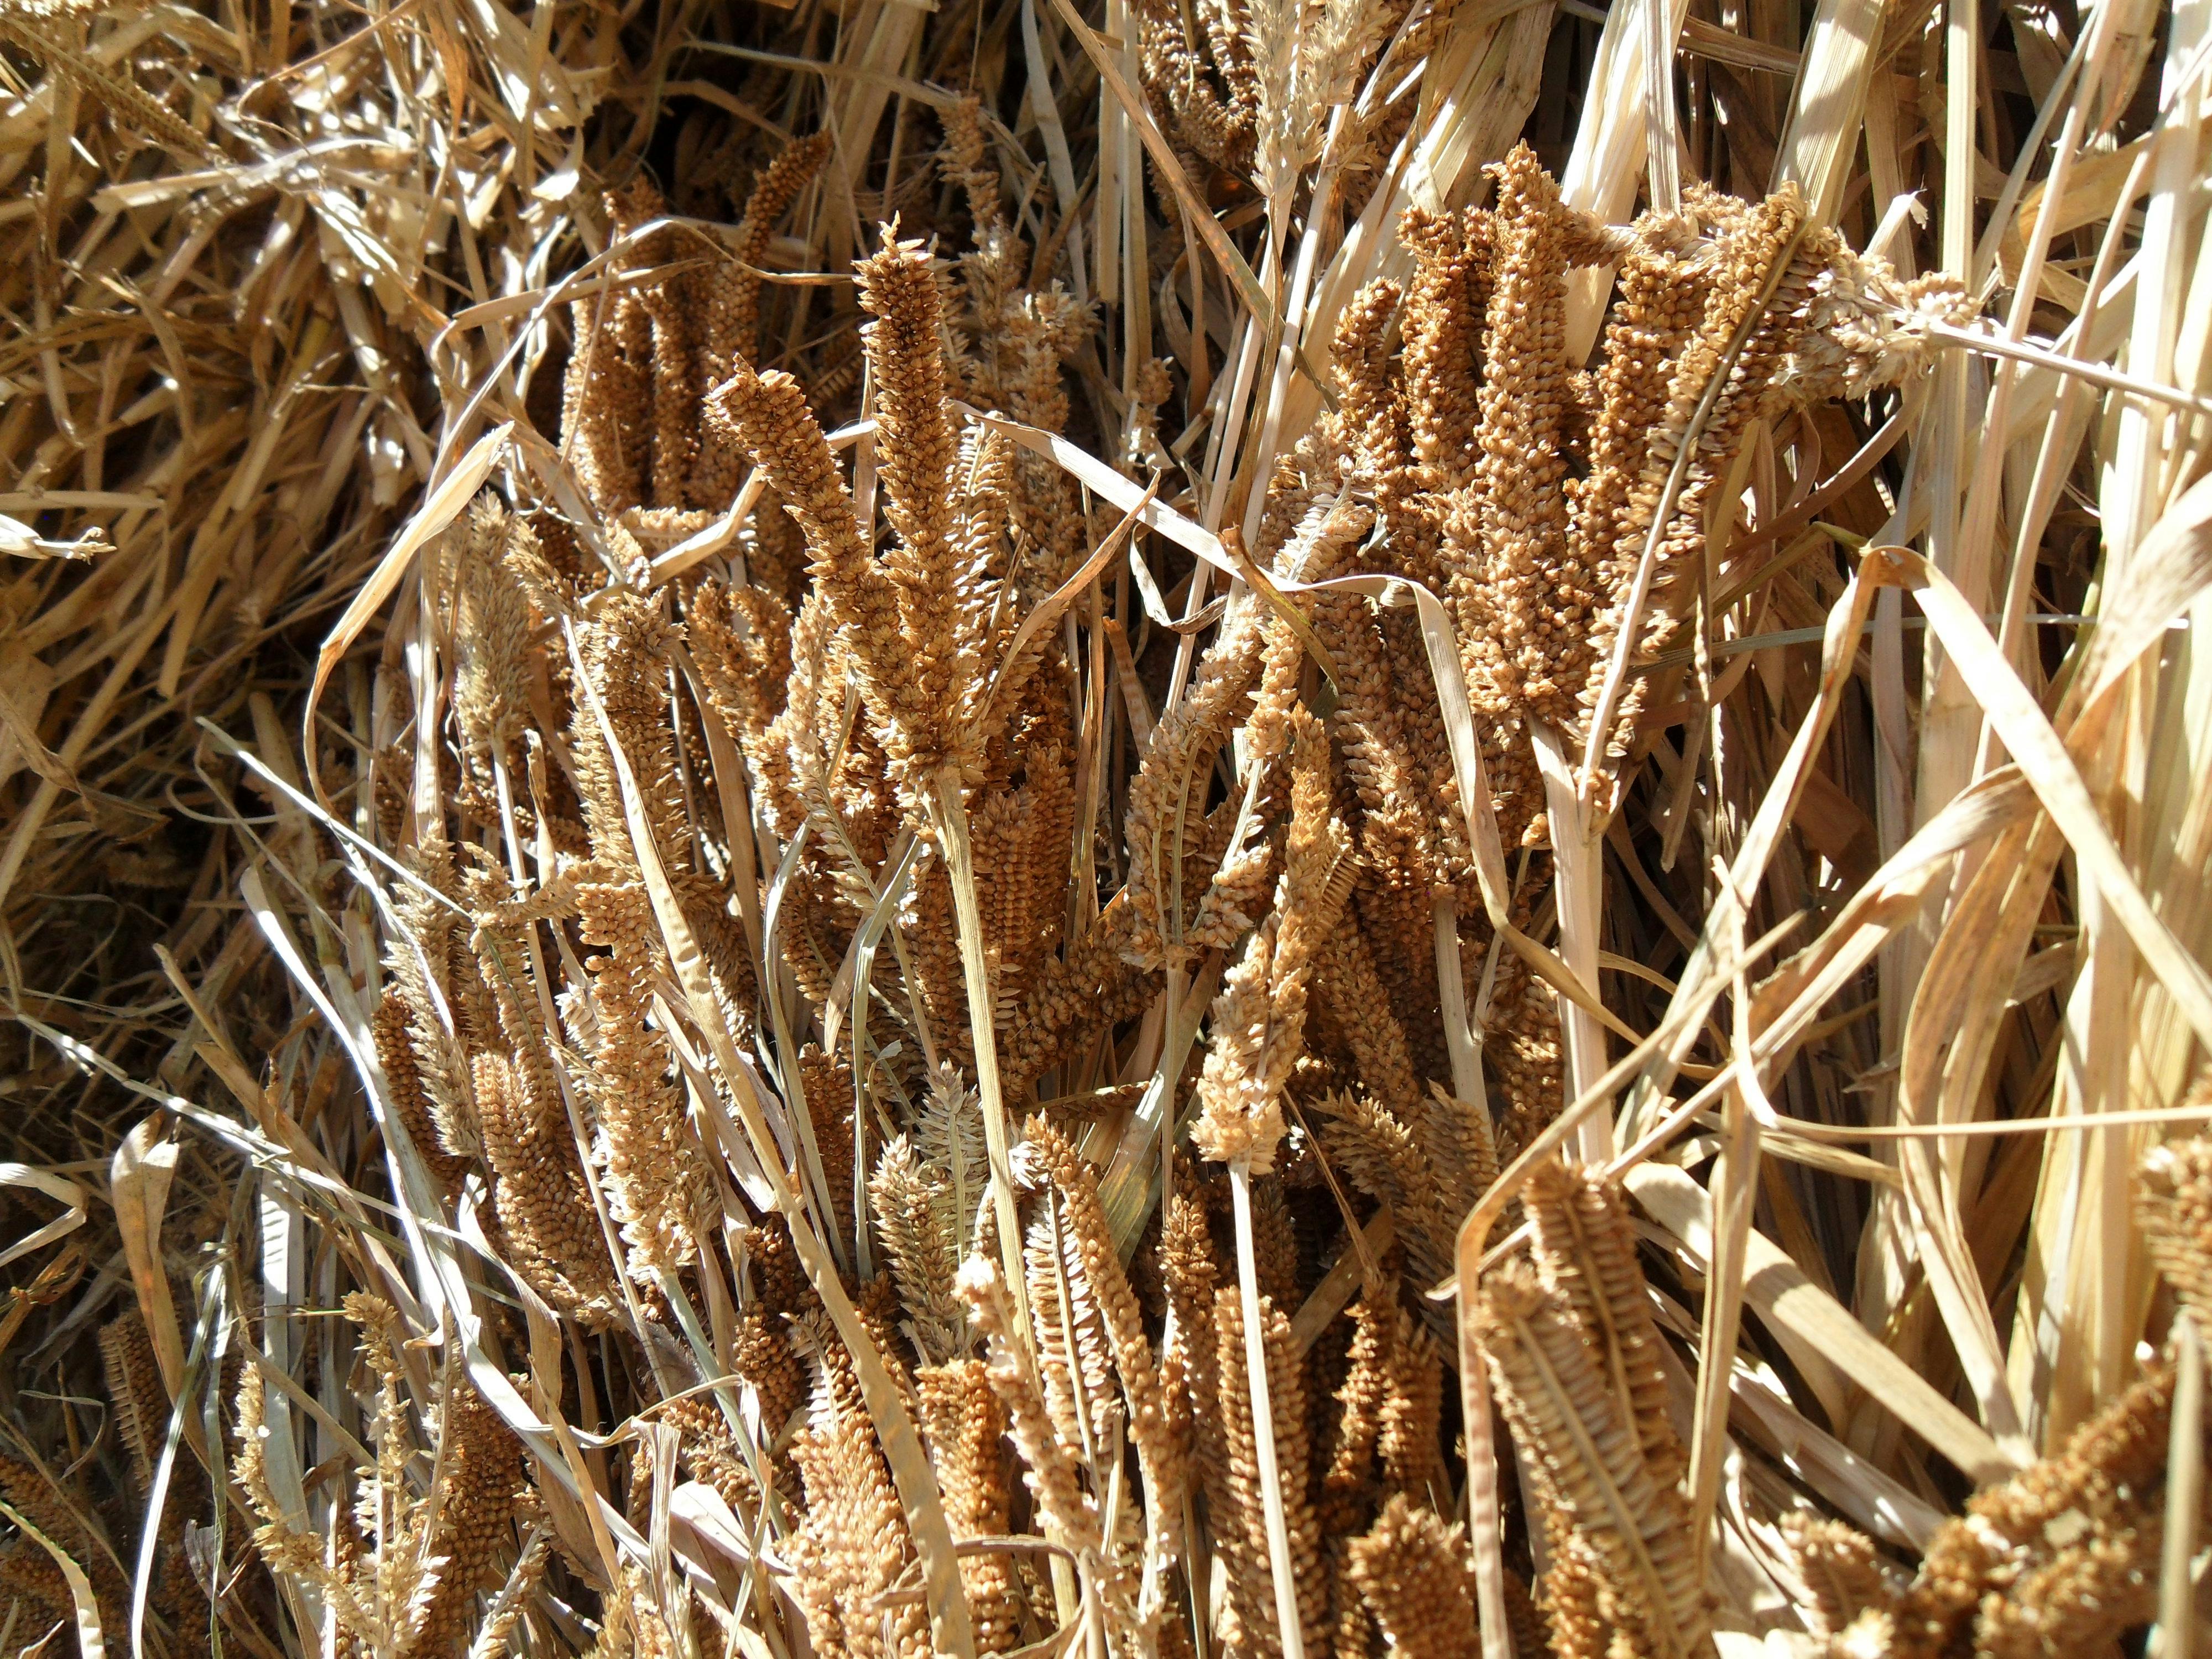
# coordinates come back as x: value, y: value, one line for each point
x: 1265, y: 890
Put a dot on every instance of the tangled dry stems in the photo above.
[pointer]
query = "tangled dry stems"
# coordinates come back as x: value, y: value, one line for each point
x: 884, y: 1122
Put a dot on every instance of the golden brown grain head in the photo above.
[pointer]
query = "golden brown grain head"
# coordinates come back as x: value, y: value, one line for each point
x: 1411, y: 1571
x: 2173, y: 1195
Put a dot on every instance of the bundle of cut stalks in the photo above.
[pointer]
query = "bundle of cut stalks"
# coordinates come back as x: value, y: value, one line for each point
x: 1223, y: 830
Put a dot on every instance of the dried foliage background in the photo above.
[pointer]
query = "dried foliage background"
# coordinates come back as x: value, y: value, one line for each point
x: 1589, y: 698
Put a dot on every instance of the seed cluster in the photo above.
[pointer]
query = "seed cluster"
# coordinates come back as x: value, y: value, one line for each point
x: 931, y: 1085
